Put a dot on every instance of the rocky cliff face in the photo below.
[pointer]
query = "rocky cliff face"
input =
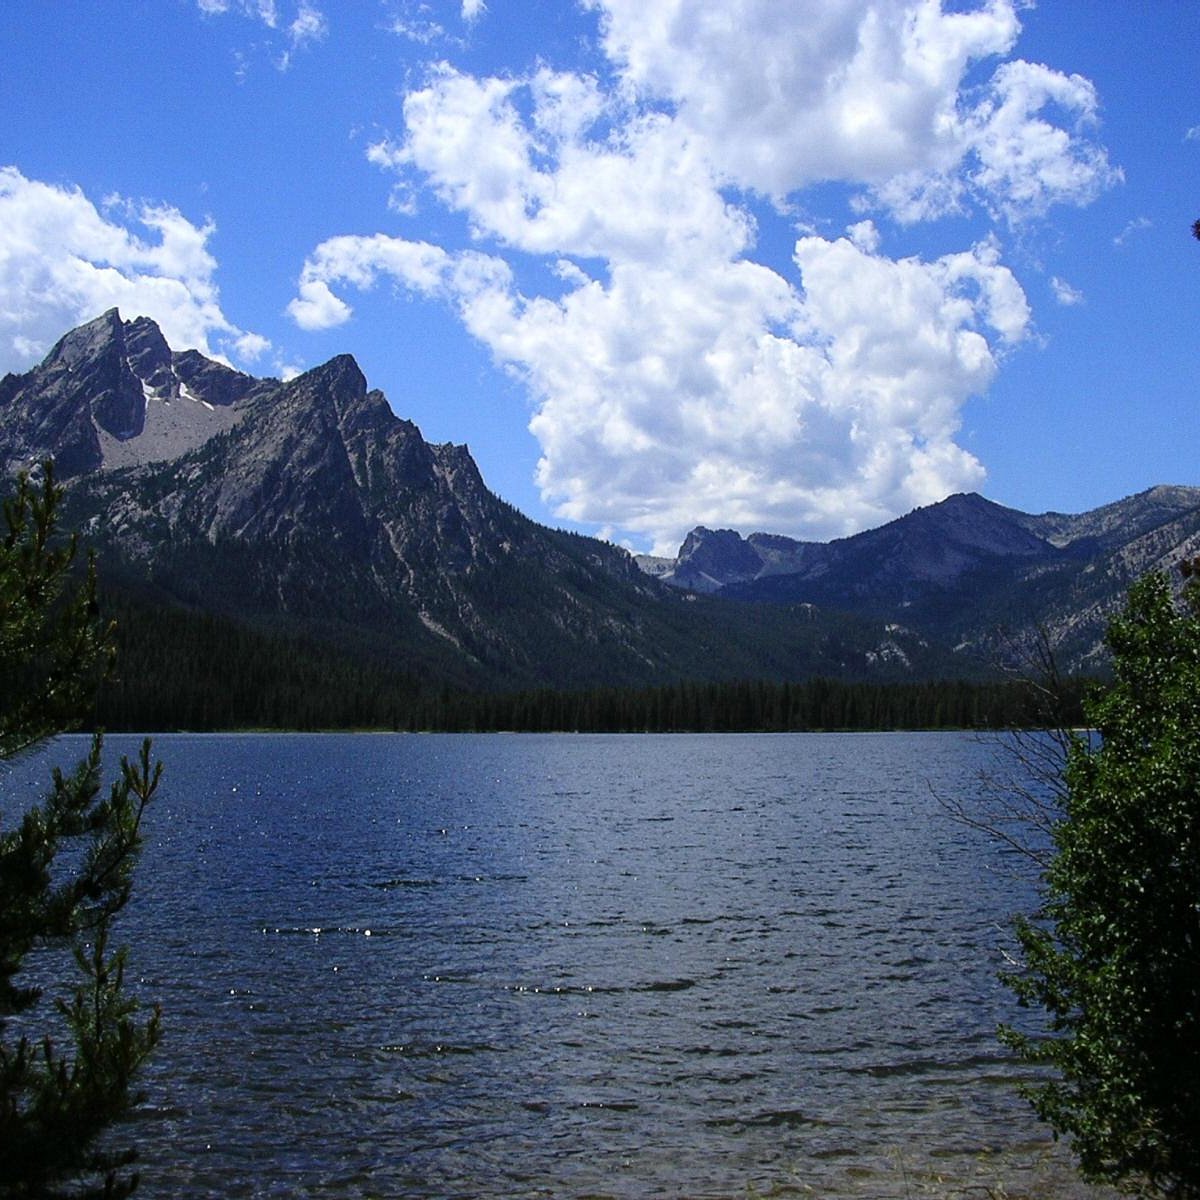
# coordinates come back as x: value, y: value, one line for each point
x: 711, y: 558
x: 936, y: 544
x: 310, y: 507
x: 301, y: 501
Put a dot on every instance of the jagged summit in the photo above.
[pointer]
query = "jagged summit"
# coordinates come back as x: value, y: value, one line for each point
x: 341, y: 375
x: 710, y: 558
x: 965, y: 568
x: 112, y: 394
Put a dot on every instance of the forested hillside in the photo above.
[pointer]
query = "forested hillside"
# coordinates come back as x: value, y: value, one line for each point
x: 224, y: 675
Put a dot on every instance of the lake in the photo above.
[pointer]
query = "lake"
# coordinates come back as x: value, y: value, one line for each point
x: 575, y: 966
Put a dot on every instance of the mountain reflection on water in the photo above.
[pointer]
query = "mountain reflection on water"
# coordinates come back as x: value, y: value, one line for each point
x: 577, y: 966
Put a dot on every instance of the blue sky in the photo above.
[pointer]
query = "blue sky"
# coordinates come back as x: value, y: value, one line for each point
x: 791, y: 266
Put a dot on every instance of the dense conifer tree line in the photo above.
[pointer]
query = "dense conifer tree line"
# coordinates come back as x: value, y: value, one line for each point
x: 746, y: 706
x: 226, y: 675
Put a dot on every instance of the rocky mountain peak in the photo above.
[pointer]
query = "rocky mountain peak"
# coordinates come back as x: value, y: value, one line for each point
x: 149, y: 356
x: 333, y: 401
x: 341, y: 377
x: 113, y: 394
x: 968, y: 524
x: 710, y: 558
x: 318, y: 504
x: 94, y: 340
x: 934, y: 545
x: 309, y: 505
x: 82, y: 391
x: 212, y: 382
x: 1112, y: 524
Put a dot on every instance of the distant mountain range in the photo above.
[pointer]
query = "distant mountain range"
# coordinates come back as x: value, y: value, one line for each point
x: 974, y: 575
x: 308, y: 510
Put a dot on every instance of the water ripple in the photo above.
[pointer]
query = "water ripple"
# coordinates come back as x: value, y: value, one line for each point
x: 574, y: 967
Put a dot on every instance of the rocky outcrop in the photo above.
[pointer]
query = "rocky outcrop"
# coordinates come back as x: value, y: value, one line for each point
x: 310, y: 506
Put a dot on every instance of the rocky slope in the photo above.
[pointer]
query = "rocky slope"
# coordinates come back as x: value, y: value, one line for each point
x: 112, y: 393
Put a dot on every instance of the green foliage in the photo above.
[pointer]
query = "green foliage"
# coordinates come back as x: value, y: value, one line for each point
x: 231, y: 674
x: 66, y: 871
x: 1113, y: 954
x: 53, y: 650
x: 228, y: 675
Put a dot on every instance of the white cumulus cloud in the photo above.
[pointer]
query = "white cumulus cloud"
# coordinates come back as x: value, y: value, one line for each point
x: 792, y: 94
x: 64, y: 261
x: 729, y: 395
x: 1026, y: 162
x: 543, y: 186
x: 360, y: 261
x: 676, y: 375
x: 865, y: 92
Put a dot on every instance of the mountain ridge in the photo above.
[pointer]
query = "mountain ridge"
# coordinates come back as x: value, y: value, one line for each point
x: 964, y: 567
x: 112, y: 393
x: 307, y: 508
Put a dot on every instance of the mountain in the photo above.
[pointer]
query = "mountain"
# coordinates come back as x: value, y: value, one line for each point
x: 308, y: 511
x: 976, y: 575
x: 294, y: 538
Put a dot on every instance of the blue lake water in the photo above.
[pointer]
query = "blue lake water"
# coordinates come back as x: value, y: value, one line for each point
x: 575, y: 966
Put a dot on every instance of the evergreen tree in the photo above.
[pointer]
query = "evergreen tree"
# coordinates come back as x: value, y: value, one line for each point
x: 67, y: 1060
x: 1113, y: 954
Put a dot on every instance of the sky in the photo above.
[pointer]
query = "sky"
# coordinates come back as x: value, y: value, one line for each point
x: 796, y: 266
